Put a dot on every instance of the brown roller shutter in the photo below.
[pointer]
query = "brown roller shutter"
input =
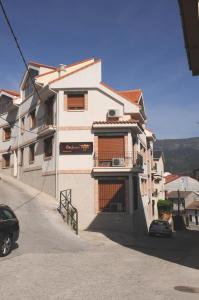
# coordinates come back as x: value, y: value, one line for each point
x: 111, y: 195
x: 75, y: 102
x: 110, y: 147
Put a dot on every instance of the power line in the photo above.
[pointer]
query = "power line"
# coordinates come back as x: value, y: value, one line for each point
x: 15, y: 125
x: 19, y: 48
x: 24, y: 61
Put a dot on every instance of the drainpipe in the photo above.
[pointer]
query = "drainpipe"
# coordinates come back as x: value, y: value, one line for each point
x: 18, y: 142
x: 56, y: 145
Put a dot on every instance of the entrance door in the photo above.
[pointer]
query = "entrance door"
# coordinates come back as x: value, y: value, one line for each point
x: 111, y: 195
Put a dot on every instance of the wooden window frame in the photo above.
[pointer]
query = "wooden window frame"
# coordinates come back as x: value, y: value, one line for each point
x: 4, y: 134
x: 69, y: 107
x: 4, y: 161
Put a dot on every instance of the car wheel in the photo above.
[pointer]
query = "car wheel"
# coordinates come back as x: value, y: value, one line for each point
x: 6, y: 245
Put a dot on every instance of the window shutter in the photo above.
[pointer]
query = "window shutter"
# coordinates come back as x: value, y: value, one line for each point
x: 110, y: 147
x: 75, y: 102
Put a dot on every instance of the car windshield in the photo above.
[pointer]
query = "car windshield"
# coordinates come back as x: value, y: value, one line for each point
x: 157, y: 222
x: 6, y: 214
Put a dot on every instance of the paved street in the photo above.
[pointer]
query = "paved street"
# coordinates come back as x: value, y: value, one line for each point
x: 50, y: 262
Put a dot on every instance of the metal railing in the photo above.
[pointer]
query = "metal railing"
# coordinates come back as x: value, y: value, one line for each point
x: 67, y: 210
x: 115, y: 159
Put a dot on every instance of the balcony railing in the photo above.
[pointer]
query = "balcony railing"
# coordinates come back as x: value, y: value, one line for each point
x: 117, y: 160
x: 46, y: 128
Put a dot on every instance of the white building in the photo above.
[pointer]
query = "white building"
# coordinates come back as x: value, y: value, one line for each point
x: 158, y: 178
x: 75, y: 132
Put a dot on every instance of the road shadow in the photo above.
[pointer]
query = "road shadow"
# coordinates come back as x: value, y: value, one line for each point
x: 182, y: 248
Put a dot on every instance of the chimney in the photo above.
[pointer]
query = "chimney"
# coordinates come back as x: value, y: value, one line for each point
x: 61, y: 69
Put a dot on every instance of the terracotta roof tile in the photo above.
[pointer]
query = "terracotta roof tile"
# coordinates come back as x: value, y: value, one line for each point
x: 171, y: 177
x: 114, y: 122
x: 75, y: 71
x: 132, y: 95
x: 11, y: 92
x: 36, y: 64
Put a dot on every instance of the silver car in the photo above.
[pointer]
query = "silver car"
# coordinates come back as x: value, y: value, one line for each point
x: 159, y: 227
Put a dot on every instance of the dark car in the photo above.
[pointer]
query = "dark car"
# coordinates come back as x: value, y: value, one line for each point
x: 159, y: 227
x: 9, y: 229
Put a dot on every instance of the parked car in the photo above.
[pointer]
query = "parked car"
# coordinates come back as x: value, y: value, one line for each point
x: 9, y: 229
x: 159, y: 227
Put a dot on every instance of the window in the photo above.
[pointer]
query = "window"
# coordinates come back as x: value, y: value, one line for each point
x: 49, y: 111
x: 143, y: 187
x: 7, y: 134
x: 21, y: 157
x: 76, y: 102
x: 33, y: 119
x: 48, y: 145
x: 110, y: 148
x: 31, y: 153
x: 28, y: 86
x: 6, y: 214
x: 6, y: 160
x: 22, y: 125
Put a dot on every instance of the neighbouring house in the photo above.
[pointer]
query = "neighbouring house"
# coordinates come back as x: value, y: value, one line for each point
x: 182, y: 190
x: 192, y: 212
x: 185, y: 199
x: 158, y: 178
x: 75, y: 132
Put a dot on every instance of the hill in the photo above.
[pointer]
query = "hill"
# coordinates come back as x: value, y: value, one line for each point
x: 181, y: 155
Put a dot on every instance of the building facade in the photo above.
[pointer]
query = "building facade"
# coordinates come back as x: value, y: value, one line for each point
x: 72, y: 131
x: 158, y: 178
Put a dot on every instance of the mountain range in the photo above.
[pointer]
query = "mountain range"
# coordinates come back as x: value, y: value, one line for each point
x: 181, y: 155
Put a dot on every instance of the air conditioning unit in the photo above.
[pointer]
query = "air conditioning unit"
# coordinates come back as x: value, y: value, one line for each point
x: 113, y: 113
x: 116, y: 206
x: 117, y: 162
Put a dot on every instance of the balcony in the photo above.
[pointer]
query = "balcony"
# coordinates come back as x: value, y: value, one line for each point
x: 47, y: 128
x: 155, y: 193
x: 116, y: 162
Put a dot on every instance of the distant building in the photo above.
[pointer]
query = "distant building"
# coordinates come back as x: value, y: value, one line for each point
x: 192, y: 212
x: 158, y: 178
x: 185, y: 199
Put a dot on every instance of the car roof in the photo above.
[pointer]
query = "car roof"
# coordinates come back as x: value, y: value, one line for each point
x: 4, y: 205
x: 159, y: 221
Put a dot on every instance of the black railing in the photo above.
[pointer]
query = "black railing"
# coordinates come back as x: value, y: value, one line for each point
x: 116, y: 159
x: 67, y: 210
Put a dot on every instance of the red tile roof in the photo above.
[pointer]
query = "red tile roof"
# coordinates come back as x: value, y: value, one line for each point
x: 132, y: 95
x: 11, y: 92
x: 75, y: 71
x: 67, y: 66
x: 171, y: 177
x: 36, y: 64
x: 114, y: 122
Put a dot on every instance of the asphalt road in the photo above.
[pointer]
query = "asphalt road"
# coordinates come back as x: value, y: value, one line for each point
x: 50, y: 262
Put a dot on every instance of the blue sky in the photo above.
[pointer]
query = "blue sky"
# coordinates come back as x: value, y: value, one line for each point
x: 140, y: 43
